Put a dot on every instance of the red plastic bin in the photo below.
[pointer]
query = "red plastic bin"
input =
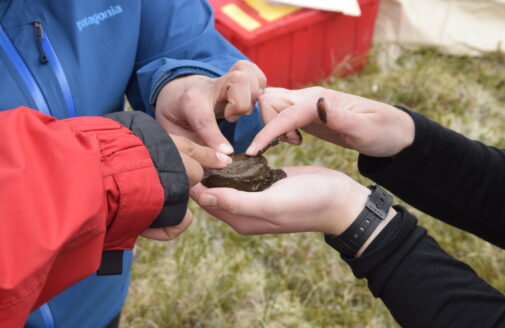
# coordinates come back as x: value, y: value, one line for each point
x: 303, y: 46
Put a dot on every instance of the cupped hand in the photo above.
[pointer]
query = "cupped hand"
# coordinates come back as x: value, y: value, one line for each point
x: 370, y: 127
x: 194, y: 157
x: 309, y: 199
x: 188, y: 106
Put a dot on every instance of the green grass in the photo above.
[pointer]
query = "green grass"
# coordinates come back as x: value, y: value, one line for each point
x: 212, y: 277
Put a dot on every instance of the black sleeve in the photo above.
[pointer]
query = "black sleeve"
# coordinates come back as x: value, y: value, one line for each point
x: 167, y: 161
x: 448, y: 176
x: 421, y: 284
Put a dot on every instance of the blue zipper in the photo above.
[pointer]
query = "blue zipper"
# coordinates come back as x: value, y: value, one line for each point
x: 47, y: 53
x: 24, y: 72
x: 47, y: 316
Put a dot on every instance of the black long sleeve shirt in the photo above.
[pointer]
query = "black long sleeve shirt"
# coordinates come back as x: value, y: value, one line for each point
x: 458, y: 181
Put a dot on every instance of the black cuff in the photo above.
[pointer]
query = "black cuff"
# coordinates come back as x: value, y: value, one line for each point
x: 387, y: 250
x: 167, y: 161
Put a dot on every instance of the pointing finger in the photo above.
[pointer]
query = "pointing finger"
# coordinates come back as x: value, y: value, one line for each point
x: 206, y: 156
x: 290, y: 119
x: 204, y: 123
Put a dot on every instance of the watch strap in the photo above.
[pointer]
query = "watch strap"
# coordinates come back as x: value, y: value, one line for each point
x: 354, y: 237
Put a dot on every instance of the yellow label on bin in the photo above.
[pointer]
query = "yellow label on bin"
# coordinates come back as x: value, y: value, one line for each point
x: 240, y: 17
x: 271, y: 12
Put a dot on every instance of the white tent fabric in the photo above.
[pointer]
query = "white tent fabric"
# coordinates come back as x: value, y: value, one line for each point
x: 455, y: 26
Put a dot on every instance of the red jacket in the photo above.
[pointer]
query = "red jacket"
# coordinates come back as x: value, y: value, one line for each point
x: 69, y: 189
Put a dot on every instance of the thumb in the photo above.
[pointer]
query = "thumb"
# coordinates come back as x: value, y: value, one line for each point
x: 233, y: 201
x: 169, y: 233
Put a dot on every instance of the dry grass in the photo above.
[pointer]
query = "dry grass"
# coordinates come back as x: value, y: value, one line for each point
x: 213, y: 277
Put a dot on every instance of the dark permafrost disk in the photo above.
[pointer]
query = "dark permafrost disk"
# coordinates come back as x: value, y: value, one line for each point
x: 245, y: 173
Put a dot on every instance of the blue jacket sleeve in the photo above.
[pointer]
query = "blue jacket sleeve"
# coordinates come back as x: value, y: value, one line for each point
x: 176, y: 38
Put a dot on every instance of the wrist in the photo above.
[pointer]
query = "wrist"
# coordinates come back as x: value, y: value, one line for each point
x: 406, y: 131
x: 355, y: 238
x: 349, y: 209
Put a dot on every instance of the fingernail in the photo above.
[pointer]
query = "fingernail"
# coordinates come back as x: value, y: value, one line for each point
x: 208, y: 200
x: 225, y: 148
x: 294, y: 137
x: 224, y: 158
x: 251, y: 150
x: 321, y: 109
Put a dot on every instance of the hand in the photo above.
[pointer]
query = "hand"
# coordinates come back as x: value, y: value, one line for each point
x: 188, y: 106
x: 169, y: 233
x: 309, y: 199
x: 370, y: 127
x: 194, y: 157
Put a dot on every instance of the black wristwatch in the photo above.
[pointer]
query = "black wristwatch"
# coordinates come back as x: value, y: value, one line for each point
x: 352, y: 239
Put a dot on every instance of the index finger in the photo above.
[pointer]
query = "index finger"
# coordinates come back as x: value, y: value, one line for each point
x: 203, y: 121
x: 207, y: 157
x: 292, y: 118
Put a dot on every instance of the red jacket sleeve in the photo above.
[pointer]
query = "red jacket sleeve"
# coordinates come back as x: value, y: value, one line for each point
x: 69, y: 190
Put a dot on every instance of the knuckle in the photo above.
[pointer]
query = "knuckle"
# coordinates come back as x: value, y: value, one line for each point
x: 242, y: 64
x: 189, y: 95
x: 238, y: 77
x: 202, y: 123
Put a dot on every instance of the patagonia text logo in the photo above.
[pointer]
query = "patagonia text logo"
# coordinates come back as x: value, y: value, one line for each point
x: 97, y: 18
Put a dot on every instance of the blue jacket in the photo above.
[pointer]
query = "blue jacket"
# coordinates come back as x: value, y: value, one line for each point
x: 71, y: 58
